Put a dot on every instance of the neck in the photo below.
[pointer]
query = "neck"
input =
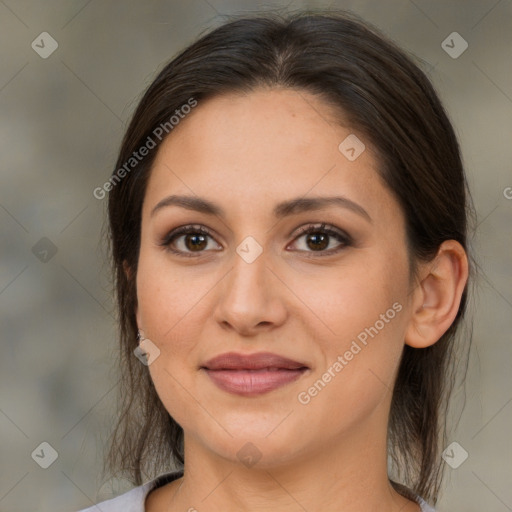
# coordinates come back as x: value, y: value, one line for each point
x: 349, y: 475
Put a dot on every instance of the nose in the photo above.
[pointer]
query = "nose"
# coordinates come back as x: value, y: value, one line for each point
x: 251, y: 298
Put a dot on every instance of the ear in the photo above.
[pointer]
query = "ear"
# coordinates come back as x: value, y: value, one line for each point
x: 437, y: 298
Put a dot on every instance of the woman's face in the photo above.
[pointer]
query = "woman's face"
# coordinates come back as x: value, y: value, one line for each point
x: 338, y: 306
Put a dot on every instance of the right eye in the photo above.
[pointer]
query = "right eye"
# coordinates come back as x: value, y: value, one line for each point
x: 194, y: 240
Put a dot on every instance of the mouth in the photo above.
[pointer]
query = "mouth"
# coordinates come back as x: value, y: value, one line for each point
x: 253, y: 374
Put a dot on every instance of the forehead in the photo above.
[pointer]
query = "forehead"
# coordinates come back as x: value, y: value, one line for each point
x: 256, y: 149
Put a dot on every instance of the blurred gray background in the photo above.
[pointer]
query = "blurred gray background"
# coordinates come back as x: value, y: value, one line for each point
x: 61, y: 121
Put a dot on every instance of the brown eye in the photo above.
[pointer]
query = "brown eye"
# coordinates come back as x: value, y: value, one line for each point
x: 187, y: 240
x: 318, y: 239
x: 195, y: 242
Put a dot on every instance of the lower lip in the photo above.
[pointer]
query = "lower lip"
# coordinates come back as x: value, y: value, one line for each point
x: 253, y: 382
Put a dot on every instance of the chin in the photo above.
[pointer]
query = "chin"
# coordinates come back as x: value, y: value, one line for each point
x: 256, y: 450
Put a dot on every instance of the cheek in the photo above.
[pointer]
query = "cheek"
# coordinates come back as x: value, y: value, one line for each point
x: 358, y: 369
x: 363, y: 316
x: 354, y: 296
x: 167, y: 297
x: 173, y: 310
x: 166, y: 303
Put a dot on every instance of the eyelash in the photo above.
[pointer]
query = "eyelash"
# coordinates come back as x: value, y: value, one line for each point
x: 339, y: 235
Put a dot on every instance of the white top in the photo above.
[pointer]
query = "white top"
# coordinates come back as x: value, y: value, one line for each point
x: 134, y: 500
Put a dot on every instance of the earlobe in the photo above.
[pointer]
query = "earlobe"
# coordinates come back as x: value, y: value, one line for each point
x: 437, y: 298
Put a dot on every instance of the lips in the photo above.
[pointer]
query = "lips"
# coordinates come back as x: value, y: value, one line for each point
x: 259, y: 361
x: 252, y: 374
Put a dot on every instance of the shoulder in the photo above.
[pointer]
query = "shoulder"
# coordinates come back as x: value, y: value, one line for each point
x: 425, y: 507
x: 134, y: 499
x: 131, y: 501
x: 411, y: 495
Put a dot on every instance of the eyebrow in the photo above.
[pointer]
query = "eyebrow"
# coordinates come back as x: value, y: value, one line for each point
x: 281, y: 210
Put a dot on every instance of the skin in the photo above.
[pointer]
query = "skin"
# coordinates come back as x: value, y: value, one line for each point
x: 246, y: 153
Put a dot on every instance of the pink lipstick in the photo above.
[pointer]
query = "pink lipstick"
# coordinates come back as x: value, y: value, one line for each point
x: 252, y: 374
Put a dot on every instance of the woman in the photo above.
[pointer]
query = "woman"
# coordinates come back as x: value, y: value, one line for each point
x: 288, y: 218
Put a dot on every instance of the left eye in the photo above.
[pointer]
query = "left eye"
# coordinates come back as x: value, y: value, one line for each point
x: 318, y: 238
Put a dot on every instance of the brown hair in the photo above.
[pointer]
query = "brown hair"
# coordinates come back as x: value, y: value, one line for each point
x: 388, y: 99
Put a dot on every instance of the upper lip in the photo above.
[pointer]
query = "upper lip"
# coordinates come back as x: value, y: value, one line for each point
x: 258, y: 361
